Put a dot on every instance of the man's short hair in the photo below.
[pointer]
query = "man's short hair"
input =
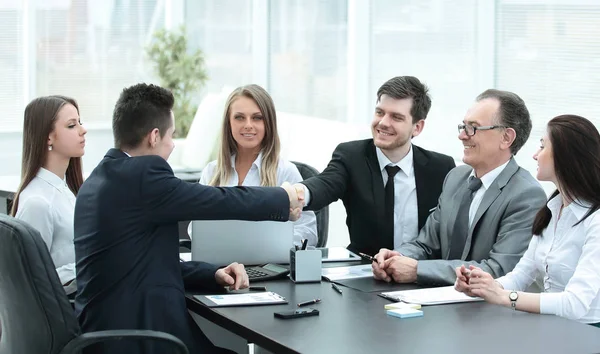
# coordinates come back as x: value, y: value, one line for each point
x: 401, y: 87
x: 140, y: 109
x: 513, y: 113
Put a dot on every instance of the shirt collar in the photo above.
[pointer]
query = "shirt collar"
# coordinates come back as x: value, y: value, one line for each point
x: 51, y: 178
x: 578, y: 207
x: 126, y: 153
x: 491, y: 176
x: 257, y: 162
x: 406, y: 164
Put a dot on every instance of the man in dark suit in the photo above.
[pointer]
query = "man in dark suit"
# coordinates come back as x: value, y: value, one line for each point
x: 383, y: 212
x: 126, y: 242
x: 487, y: 207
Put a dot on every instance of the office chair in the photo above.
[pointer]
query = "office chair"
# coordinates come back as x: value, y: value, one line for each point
x: 322, y: 215
x: 35, y: 314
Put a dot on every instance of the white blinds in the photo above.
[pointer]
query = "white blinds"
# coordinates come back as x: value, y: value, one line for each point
x: 11, y: 65
x: 549, y: 54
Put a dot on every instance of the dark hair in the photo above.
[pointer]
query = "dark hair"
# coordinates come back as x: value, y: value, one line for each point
x: 39, y: 121
x: 401, y: 87
x: 576, y: 155
x: 139, y: 110
x: 513, y: 113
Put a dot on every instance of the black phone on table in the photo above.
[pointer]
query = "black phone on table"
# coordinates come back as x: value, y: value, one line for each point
x: 296, y: 313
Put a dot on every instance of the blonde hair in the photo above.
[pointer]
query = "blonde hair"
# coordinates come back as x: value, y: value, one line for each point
x: 269, y: 145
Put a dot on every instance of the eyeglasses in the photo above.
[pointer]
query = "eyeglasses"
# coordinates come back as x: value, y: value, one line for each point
x: 471, y: 130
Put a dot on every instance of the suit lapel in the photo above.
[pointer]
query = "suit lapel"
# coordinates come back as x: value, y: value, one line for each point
x: 377, y: 187
x: 488, y: 198
x: 423, y: 178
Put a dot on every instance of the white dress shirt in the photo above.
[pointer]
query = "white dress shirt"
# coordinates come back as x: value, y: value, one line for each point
x: 306, y: 226
x: 48, y: 205
x: 486, y: 182
x: 406, y: 211
x: 568, y: 257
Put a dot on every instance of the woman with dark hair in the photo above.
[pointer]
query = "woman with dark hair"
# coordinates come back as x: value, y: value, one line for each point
x: 565, y: 248
x: 51, y: 174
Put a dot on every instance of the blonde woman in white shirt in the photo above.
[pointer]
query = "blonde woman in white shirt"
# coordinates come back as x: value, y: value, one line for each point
x: 249, y: 152
x: 51, y: 174
x: 565, y: 248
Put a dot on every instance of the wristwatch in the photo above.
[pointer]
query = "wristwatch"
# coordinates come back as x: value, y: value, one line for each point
x: 513, y: 296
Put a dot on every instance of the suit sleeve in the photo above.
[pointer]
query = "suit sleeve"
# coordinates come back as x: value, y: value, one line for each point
x: 514, y: 235
x: 169, y: 199
x: 330, y: 185
x: 198, y: 276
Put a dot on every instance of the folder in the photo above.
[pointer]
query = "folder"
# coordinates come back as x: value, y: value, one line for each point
x: 246, y: 299
x: 430, y: 296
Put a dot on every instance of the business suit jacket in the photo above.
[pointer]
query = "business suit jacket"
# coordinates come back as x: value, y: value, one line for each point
x: 353, y: 175
x: 127, y: 250
x: 498, y: 235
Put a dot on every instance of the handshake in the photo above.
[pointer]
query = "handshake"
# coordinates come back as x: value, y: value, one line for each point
x: 296, y: 194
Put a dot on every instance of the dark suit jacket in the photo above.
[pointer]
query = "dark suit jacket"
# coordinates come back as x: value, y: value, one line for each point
x: 127, y: 250
x: 353, y: 175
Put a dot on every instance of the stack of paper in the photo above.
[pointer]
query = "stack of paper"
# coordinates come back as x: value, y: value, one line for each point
x: 352, y: 272
x: 430, y: 296
x: 405, y: 313
x: 402, y: 305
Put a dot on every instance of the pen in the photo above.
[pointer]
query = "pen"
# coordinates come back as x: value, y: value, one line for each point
x: 309, y: 302
x: 257, y: 288
x: 304, y: 244
x: 366, y: 256
x: 336, y: 288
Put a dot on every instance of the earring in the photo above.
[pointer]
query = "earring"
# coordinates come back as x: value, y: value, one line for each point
x: 49, y: 147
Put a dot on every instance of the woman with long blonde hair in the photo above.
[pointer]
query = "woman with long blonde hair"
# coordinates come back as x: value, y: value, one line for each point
x: 51, y: 175
x: 249, y: 152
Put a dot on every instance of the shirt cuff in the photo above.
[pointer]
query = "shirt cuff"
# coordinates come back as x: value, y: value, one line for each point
x: 306, y: 195
x: 507, y: 283
x: 550, y: 303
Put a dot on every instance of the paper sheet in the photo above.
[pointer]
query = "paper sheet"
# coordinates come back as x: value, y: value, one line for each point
x: 246, y: 299
x: 351, y: 272
x: 430, y: 296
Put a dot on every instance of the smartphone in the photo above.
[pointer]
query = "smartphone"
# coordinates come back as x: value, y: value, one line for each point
x: 297, y: 313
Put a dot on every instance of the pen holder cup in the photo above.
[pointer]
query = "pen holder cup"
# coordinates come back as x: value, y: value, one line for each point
x: 305, y: 265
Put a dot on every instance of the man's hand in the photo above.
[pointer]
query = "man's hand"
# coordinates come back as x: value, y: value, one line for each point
x: 463, y: 276
x: 401, y: 269
x: 300, y: 192
x: 379, y: 267
x: 296, y: 204
x: 234, y: 276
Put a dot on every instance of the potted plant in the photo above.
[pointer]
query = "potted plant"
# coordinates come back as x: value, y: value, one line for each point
x: 181, y: 70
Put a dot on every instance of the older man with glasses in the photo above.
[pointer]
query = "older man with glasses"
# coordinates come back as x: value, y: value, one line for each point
x: 486, y: 209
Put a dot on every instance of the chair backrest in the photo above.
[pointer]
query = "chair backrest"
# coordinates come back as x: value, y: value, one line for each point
x: 307, y: 171
x: 35, y: 313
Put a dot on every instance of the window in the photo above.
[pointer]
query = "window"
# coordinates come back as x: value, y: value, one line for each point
x: 435, y: 41
x: 307, y: 57
x: 549, y: 54
x: 11, y: 65
x: 222, y: 29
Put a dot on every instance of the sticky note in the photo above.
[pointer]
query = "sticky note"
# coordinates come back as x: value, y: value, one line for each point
x: 405, y: 313
x: 402, y: 305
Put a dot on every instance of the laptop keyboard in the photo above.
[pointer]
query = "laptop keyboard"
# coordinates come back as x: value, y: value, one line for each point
x: 253, y: 273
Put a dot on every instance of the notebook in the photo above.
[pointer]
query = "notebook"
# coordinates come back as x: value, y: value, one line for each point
x: 430, y: 296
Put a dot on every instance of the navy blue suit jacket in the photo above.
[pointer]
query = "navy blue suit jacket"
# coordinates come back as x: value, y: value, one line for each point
x: 127, y: 249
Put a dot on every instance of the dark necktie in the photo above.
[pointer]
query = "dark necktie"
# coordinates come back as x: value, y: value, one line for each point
x: 461, y: 225
x: 389, y: 207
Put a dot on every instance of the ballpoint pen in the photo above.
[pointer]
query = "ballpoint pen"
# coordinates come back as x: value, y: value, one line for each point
x: 309, y: 302
x: 366, y: 256
x: 336, y: 288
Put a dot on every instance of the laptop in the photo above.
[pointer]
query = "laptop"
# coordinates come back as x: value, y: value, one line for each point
x: 222, y: 242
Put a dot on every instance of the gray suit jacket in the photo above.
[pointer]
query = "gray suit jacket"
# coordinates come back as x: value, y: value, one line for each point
x: 498, y: 236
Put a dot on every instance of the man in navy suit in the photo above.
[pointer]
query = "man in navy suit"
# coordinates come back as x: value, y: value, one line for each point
x: 126, y: 238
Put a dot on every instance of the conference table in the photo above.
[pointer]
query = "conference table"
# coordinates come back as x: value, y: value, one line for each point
x: 356, y: 322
